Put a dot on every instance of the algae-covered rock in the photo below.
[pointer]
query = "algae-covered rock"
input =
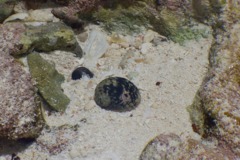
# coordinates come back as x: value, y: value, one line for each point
x: 171, y: 146
x: 48, y: 82
x: 121, y: 19
x: 20, y: 113
x: 171, y: 19
x: 46, y: 38
x: 215, y: 111
x: 207, y: 9
x: 6, y: 9
x: 177, y: 26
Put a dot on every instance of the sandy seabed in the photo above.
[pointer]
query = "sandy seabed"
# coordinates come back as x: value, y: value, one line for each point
x: 105, y: 135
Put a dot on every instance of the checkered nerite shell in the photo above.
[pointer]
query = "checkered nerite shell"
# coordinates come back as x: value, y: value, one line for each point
x: 117, y: 94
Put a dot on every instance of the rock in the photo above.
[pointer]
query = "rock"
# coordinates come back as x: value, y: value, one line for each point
x: 122, y: 19
x: 73, y: 8
x: 48, y: 82
x: 46, y: 38
x: 95, y: 47
x: 207, y: 10
x: 41, y: 15
x: 20, y: 115
x: 7, y: 7
x: 172, y: 146
x: 145, y: 48
x: 215, y: 110
x: 17, y: 17
x: 71, y: 21
x: 171, y: 19
x: 149, y: 36
x: 20, y: 108
x: 117, y: 94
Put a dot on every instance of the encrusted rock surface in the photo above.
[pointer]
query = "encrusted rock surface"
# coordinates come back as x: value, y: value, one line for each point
x: 48, y: 82
x: 6, y: 9
x: 46, y: 38
x: 169, y: 18
x: 215, y: 111
x: 49, y: 37
x: 20, y: 115
x: 173, y: 147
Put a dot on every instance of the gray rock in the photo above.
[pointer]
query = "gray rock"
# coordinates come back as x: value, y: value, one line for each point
x: 20, y: 113
x: 46, y: 38
x: 215, y: 111
x: 171, y: 147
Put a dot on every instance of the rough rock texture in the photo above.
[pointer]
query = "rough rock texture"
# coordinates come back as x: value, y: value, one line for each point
x: 20, y: 115
x: 49, y: 37
x: 173, y: 147
x: 169, y: 18
x: 48, y: 82
x: 216, y: 110
x: 78, y: 6
x: 6, y: 9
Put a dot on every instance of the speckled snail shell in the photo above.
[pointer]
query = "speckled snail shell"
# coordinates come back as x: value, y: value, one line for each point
x: 117, y: 94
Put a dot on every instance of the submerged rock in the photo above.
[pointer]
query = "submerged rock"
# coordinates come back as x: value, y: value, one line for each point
x: 46, y: 38
x: 20, y: 113
x: 48, y: 82
x: 172, y: 146
x: 215, y: 112
x: 6, y: 10
x: 117, y: 94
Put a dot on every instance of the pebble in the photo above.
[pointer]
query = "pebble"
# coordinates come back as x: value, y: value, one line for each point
x: 149, y: 36
x: 145, y: 48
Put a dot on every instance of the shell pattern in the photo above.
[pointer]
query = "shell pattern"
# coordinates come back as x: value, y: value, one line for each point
x: 117, y: 94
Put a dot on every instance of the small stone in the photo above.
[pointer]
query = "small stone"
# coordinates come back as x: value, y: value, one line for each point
x: 117, y: 94
x: 149, y: 36
x: 79, y: 72
x: 145, y: 48
x: 83, y: 37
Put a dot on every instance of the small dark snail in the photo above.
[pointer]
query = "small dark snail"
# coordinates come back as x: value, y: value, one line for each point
x: 79, y: 72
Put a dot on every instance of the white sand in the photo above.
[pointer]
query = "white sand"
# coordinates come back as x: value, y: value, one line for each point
x: 109, y: 135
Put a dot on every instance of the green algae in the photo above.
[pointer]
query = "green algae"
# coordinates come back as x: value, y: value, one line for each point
x: 127, y: 20
x: 48, y: 82
x: 123, y: 20
x: 50, y: 37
